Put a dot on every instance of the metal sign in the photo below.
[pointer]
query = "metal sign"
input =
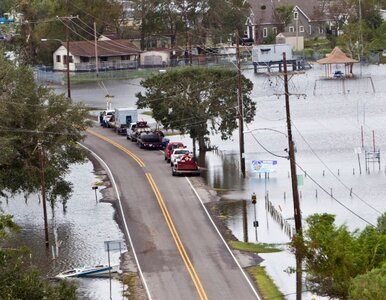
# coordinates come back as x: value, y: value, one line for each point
x: 264, y: 166
x: 117, y: 245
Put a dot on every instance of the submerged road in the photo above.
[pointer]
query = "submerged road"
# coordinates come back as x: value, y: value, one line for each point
x: 179, y: 251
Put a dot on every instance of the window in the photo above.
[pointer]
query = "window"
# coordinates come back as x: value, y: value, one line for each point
x: 58, y: 58
x: 301, y: 28
x: 65, y: 59
x: 296, y: 15
x: 274, y: 30
x: 291, y: 29
x: 310, y: 29
x: 265, y: 32
x: 320, y: 29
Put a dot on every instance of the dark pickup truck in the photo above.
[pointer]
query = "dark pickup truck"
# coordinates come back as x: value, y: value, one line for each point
x: 150, y: 140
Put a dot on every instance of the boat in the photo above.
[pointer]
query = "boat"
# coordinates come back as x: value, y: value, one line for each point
x: 89, y: 271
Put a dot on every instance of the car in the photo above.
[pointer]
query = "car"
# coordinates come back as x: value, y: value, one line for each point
x: 177, y: 154
x: 170, y: 147
x: 338, y: 74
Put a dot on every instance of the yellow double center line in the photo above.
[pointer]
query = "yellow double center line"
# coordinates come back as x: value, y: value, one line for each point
x: 177, y: 239
x: 131, y: 154
x: 168, y: 219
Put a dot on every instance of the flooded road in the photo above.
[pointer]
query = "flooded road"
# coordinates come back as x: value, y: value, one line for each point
x: 81, y: 233
x: 329, y: 118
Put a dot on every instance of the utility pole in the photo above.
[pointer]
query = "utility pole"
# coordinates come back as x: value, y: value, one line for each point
x: 240, y: 107
x: 291, y: 152
x: 67, y: 19
x: 68, y: 53
x: 43, y: 189
x: 96, y: 50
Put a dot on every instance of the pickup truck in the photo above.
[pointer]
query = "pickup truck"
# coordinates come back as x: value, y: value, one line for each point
x: 135, y: 129
x: 177, y: 154
x: 150, y: 140
x: 186, y: 165
x: 170, y: 147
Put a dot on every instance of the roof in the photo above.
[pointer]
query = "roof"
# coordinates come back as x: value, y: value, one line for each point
x: 336, y: 57
x: 105, y: 48
x: 265, y: 10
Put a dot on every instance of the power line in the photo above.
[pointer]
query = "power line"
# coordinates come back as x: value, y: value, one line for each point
x: 324, y: 190
x: 336, y: 177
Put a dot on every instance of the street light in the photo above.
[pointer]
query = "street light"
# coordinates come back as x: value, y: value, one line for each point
x: 67, y: 63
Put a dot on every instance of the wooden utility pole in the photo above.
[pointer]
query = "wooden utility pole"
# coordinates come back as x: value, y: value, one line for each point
x: 295, y: 192
x: 291, y: 152
x: 43, y: 189
x: 96, y: 50
x: 68, y: 52
x: 240, y: 107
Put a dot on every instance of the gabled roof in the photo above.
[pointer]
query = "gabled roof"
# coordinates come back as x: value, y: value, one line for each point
x: 265, y: 10
x: 105, y: 48
x: 336, y: 57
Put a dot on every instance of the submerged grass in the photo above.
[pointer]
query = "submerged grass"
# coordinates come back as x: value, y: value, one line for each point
x: 265, y: 284
x: 256, y: 248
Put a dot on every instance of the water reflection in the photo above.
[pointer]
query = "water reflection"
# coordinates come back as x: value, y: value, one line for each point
x: 81, y: 233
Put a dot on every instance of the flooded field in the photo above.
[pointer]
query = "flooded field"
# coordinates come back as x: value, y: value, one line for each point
x: 81, y: 232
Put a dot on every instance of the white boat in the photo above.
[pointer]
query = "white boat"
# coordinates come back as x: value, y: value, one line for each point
x: 89, y: 271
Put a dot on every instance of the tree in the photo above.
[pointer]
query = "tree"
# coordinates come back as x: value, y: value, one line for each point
x: 334, y: 257
x: 284, y: 13
x: 18, y: 280
x: 35, y: 114
x: 197, y: 101
x: 41, y: 22
x: 370, y: 286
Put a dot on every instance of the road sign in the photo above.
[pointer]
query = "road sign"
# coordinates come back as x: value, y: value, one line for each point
x: 117, y: 245
x: 264, y: 166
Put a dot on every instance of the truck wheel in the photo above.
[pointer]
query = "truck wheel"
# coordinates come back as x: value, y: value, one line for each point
x: 165, y: 158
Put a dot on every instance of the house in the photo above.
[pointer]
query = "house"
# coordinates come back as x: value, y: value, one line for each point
x: 108, y: 55
x: 307, y: 19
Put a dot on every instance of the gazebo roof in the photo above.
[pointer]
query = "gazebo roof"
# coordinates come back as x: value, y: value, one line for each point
x: 336, y: 57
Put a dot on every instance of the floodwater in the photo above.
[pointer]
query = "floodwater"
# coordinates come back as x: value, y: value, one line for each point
x: 80, y: 232
x: 334, y: 123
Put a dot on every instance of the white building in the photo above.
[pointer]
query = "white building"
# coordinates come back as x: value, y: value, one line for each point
x: 84, y: 56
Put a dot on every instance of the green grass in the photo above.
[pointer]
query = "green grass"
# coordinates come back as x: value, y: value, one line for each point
x: 256, y: 248
x: 266, y: 286
x: 130, y: 280
x: 148, y: 113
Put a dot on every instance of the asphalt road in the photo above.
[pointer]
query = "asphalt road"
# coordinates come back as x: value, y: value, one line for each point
x: 179, y: 251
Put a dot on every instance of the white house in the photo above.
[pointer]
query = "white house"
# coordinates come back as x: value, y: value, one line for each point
x: 109, y: 55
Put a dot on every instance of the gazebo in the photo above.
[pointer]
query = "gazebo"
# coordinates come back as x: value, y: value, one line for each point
x: 337, y: 57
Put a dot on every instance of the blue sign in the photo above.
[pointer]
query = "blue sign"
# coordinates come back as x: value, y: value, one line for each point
x: 264, y: 166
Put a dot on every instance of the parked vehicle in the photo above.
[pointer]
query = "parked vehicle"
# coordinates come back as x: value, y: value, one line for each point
x: 170, y: 147
x: 150, y: 140
x: 123, y: 118
x: 177, y: 154
x: 185, y: 165
x: 135, y: 129
x: 106, y: 118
